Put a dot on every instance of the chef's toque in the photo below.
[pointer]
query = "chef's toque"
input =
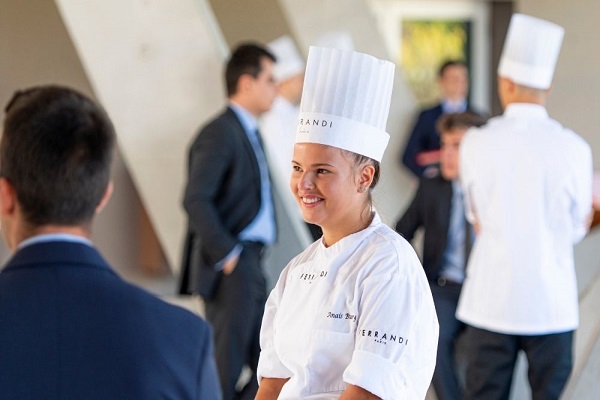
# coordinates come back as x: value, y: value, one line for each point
x: 530, y: 51
x: 346, y: 101
x: 289, y: 62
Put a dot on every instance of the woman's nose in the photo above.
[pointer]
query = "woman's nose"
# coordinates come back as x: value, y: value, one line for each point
x: 305, y: 181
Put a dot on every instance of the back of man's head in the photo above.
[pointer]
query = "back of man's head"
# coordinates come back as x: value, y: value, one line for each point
x: 245, y: 59
x: 56, y: 151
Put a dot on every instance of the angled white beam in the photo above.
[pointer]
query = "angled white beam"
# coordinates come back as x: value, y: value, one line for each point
x: 156, y: 67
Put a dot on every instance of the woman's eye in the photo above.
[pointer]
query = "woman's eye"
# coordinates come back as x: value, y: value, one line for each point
x: 322, y: 171
x: 295, y: 168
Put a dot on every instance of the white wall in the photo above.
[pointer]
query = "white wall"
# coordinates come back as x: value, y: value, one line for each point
x: 575, y: 96
x: 35, y: 49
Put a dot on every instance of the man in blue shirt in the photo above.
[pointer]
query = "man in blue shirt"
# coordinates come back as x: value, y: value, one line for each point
x: 231, y: 219
x: 421, y: 154
x: 438, y: 208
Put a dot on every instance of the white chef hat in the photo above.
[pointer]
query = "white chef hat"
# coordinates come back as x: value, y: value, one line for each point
x: 346, y: 101
x: 336, y: 39
x: 530, y: 51
x: 289, y: 62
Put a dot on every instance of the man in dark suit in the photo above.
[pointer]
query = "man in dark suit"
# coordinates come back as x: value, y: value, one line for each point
x: 438, y: 208
x: 231, y: 218
x: 70, y: 327
x: 421, y: 154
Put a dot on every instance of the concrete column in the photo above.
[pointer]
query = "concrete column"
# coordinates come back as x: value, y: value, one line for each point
x: 35, y: 49
x: 256, y: 20
x: 156, y: 67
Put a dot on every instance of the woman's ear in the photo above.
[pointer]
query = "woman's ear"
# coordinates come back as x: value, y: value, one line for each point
x: 367, y: 173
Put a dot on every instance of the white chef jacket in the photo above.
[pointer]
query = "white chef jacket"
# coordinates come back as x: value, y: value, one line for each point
x: 359, y: 312
x: 278, y: 129
x: 527, y: 182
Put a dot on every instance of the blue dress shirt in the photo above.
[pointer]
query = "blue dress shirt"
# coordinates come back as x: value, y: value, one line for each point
x: 453, y: 262
x: 262, y: 228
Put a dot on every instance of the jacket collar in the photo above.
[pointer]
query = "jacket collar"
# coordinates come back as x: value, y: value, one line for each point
x: 247, y: 120
x: 528, y: 110
x: 56, y: 252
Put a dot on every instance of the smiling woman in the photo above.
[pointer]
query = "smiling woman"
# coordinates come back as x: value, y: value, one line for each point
x: 330, y: 186
x: 352, y: 316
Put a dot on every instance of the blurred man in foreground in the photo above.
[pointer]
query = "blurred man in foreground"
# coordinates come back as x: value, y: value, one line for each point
x: 71, y: 328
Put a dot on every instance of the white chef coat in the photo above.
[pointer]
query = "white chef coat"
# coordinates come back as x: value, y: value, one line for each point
x: 278, y: 130
x: 527, y: 182
x: 359, y: 312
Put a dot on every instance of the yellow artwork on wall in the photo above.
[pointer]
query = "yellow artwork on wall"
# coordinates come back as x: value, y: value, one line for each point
x: 426, y: 45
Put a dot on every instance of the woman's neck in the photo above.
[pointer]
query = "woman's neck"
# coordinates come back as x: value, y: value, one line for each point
x: 332, y: 235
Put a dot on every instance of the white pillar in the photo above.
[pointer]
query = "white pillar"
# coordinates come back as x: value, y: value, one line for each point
x: 156, y: 66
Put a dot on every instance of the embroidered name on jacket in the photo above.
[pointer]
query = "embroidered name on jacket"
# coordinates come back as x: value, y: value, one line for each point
x: 341, y: 315
x: 382, y: 337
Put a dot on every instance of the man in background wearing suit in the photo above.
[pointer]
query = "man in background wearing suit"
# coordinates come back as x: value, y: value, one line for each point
x: 70, y: 327
x: 231, y: 218
x: 421, y: 154
x: 438, y: 208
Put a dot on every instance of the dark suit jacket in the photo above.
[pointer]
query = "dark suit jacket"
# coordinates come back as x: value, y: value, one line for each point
x: 222, y: 197
x: 430, y: 208
x: 424, y: 137
x: 70, y: 328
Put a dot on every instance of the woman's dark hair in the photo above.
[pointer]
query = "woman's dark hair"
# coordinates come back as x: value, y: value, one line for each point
x: 359, y: 160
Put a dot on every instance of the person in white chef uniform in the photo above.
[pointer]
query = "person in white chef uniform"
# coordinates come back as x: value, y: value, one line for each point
x: 352, y: 316
x: 527, y: 182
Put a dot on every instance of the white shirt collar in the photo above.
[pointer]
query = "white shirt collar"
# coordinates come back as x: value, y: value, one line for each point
x: 246, y: 118
x: 454, y: 106
x: 525, y: 109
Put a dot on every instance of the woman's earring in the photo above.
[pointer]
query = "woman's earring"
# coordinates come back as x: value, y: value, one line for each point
x: 362, y: 189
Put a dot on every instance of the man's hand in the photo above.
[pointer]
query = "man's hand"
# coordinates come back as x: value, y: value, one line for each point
x: 477, y: 228
x: 230, y: 265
